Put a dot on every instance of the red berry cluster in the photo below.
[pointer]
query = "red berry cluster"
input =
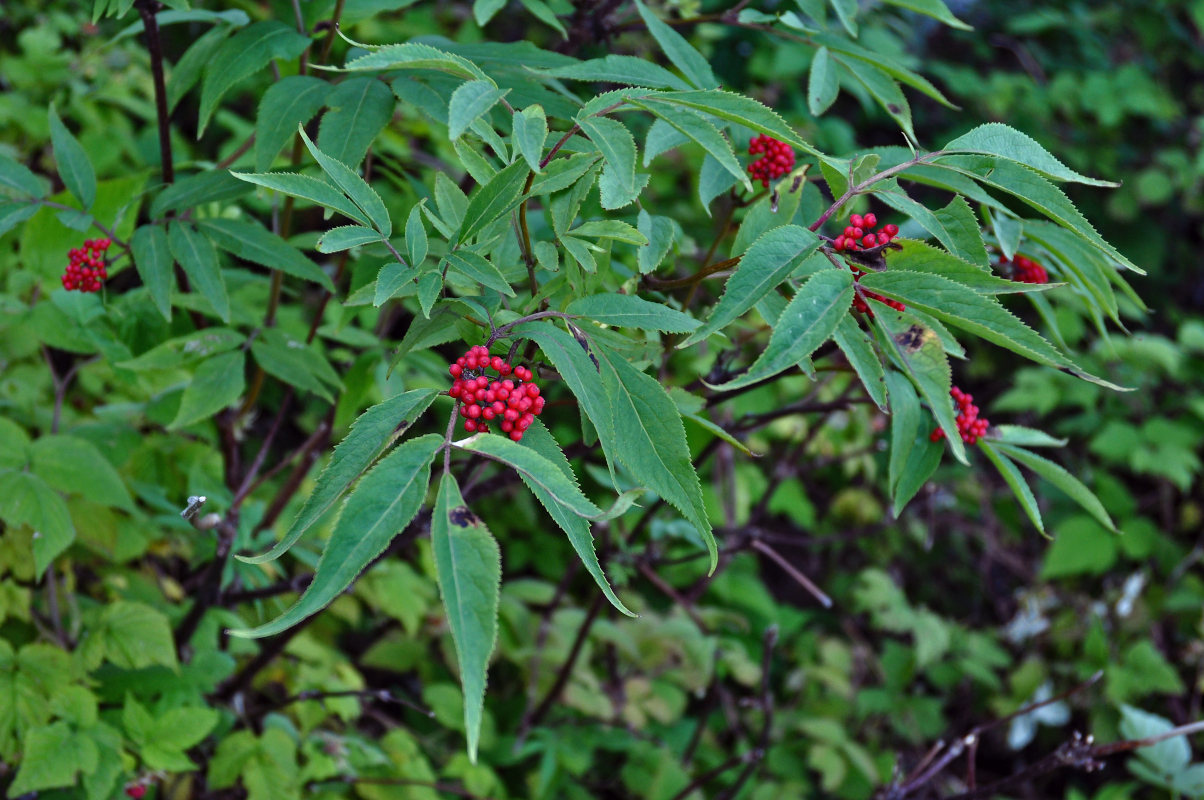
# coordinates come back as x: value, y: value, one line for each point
x: 969, y: 424
x: 1025, y: 270
x: 482, y: 398
x: 87, y: 268
x: 859, y: 234
x: 778, y: 159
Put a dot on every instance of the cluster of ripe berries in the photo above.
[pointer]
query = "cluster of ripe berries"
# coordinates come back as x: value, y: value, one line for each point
x: 515, y: 402
x: 859, y: 235
x: 87, y: 268
x: 778, y: 159
x: 969, y: 424
x: 1024, y: 269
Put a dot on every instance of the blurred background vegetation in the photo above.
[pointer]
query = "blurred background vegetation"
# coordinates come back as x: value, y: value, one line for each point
x: 950, y: 617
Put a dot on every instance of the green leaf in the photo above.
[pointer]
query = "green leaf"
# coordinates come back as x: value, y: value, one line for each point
x: 767, y: 263
x: 346, y: 237
x: 1024, y: 437
x: 536, y: 469
x: 1015, y: 481
x: 417, y: 245
x: 922, y: 460
x: 295, y: 363
x: 193, y: 190
x: 822, y: 83
x: 1059, y: 477
x: 736, y: 108
x: 957, y: 220
x: 241, y: 56
x: 13, y: 214
x: 997, y: 139
x: 19, y: 178
x: 859, y: 350
x: 484, y: 10
x: 696, y: 128
x: 130, y: 635
x: 370, y: 434
x: 679, y: 51
x: 846, y: 12
x: 609, y: 229
x: 53, y: 756
x: 152, y: 259
x: 468, y: 566
x: 659, y: 231
x: 253, y: 242
x: 391, y: 280
x: 468, y: 102
x: 187, y: 70
x: 809, y: 321
x: 359, y: 109
x: 478, y: 269
x: 25, y: 499
x: 629, y: 311
x: 217, y: 384
x: 628, y: 70
x: 1170, y: 756
x: 539, y: 440
x: 412, y: 55
x: 882, y: 63
x: 530, y: 131
x: 904, y: 425
x: 932, y: 8
x: 287, y: 103
x: 919, y: 353
x: 617, y: 146
x: 921, y: 257
x: 499, y: 196
x: 650, y: 440
x: 196, y: 255
x: 882, y: 87
x: 962, y: 307
x: 306, y: 188
x: 72, y: 162
x: 379, y: 508
x: 430, y: 286
x: 352, y: 185
x: 180, y: 350
x: 76, y: 466
x: 1080, y: 547
x: 1030, y: 187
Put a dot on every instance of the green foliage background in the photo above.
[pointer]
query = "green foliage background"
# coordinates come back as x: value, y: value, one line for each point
x: 954, y: 614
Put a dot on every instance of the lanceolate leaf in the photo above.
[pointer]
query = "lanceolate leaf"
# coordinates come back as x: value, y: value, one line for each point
x: 412, y: 55
x: 1059, y: 477
x: 306, y: 188
x: 1015, y: 481
x: 352, y: 185
x: 18, y: 177
x: 295, y: 363
x: 767, y: 263
x: 468, y: 102
x: 932, y: 8
x: 617, y: 146
x: 379, y: 508
x: 690, y: 123
x: 650, y: 440
x: 683, y: 55
x: 255, y: 243
x: 287, y: 103
x: 921, y: 257
x: 997, y: 139
x: 218, y: 383
x: 1024, y: 437
x: 476, y: 268
x: 535, y: 469
x: 196, y: 255
x: 468, y: 566
x: 922, y: 460
x: 538, y: 439
x: 152, y: 259
x: 497, y: 197
x: 904, y: 425
x: 359, y: 109
x: 822, y: 82
x: 736, y: 108
x: 809, y: 321
x: 346, y: 237
x: 918, y: 352
x: 374, y: 431
x: 72, y: 162
x: 859, y: 350
x: 417, y: 244
x: 241, y: 56
x: 620, y: 69
x: 629, y: 311
x: 530, y: 127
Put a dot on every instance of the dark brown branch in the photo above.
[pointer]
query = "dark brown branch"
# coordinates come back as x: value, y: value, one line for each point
x: 754, y: 759
x: 154, y: 45
x: 566, y: 669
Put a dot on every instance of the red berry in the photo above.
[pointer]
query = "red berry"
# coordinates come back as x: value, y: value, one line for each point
x: 136, y: 791
x: 858, y: 221
x: 891, y: 230
x: 516, y: 436
x: 869, y: 241
x: 470, y: 425
x: 870, y: 221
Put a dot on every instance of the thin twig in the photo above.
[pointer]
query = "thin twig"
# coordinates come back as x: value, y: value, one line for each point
x: 793, y: 572
x: 154, y: 45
